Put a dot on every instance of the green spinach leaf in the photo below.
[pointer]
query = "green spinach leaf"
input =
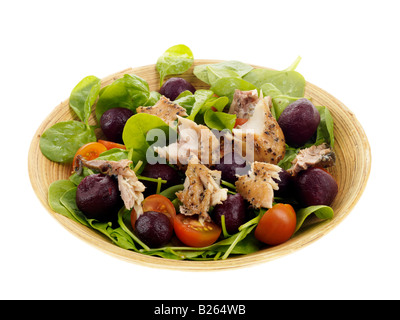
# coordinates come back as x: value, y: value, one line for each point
x: 176, y: 60
x: 60, y: 142
x: 68, y: 200
x: 219, y: 120
x: 129, y: 92
x: 218, y: 103
x: 325, y: 128
x: 268, y: 89
x: 77, y: 178
x: 135, y: 135
x: 322, y: 212
x: 56, y: 191
x: 116, y: 235
x: 290, y: 155
x: 186, y: 100
x: 114, y: 154
x: 279, y: 100
x: 227, y: 86
x: 201, y: 96
x: 290, y: 83
x: 153, y: 99
x: 210, y: 73
x: 83, y: 96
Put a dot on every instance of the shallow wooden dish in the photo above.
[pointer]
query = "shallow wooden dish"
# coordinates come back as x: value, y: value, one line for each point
x: 351, y: 172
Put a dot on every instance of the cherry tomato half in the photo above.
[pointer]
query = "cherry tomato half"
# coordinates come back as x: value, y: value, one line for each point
x: 240, y: 122
x: 89, y: 151
x: 192, y: 233
x: 277, y: 225
x: 111, y: 145
x: 158, y: 203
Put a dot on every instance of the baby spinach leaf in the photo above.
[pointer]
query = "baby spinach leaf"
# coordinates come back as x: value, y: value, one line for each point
x: 186, y: 100
x: 68, y: 200
x: 268, y: 89
x: 325, y: 128
x: 214, y: 74
x: 153, y: 99
x: 322, y: 212
x: 135, y: 134
x: 219, y: 120
x: 201, y: 96
x: 116, y: 235
x: 83, y: 97
x: 209, y: 73
x: 184, y: 94
x: 200, y: 102
x: 129, y: 92
x: 56, y: 191
x: 60, y: 142
x: 77, y: 178
x: 218, y: 103
x: 176, y: 60
x: 290, y: 155
x: 114, y: 154
x: 290, y: 83
x: 227, y: 86
x: 281, y: 102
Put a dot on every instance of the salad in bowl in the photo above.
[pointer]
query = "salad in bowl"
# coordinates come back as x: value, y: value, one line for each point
x: 190, y: 173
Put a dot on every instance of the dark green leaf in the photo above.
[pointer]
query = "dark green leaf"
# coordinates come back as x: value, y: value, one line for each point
x: 60, y: 142
x: 83, y: 96
x: 290, y: 83
x: 210, y: 73
x: 153, y: 99
x: 219, y: 120
x: 322, y: 212
x: 325, y: 128
x: 176, y: 60
x: 68, y: 200
x: 135, y: 135
x: 129, y: 92
x: 56, y: 190
x: 227, y: 86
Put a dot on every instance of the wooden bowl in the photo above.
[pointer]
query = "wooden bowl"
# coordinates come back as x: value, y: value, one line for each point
x: 351, y: 172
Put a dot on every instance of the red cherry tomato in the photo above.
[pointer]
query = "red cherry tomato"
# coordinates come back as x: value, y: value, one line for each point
x: 111, y: 145
x: 158, y: 203
x: 192, y: 233
x: 89, y: 151
x: 240, y: 122
x: 277, y: 225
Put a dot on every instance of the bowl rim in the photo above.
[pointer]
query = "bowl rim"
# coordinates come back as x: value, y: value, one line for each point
x: 304, y: 239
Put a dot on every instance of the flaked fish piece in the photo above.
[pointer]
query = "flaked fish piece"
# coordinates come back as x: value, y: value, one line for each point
x: 321, y: 156
x: 258, y: 185
x: 201, y: 190
x: 243, y: 103
x: 164, y: 109
x: 193, y: 140
x: 261, y: 135
x: 130, y: 187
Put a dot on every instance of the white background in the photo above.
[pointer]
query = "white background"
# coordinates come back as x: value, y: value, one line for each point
x: 349, y: 48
